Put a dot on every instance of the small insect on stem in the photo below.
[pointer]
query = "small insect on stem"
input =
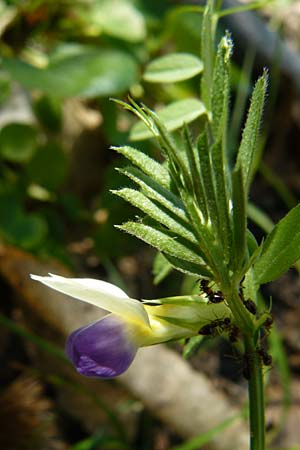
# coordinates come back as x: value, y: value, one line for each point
x: 215, y: 327
x: 213, y: 297
x: 265, y: 357
x: 249, y: 304
x: 233, y: 333
x: 268, y: 324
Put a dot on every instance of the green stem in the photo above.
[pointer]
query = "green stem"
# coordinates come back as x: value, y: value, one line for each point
x: 256, y: 397
x: 252, y: 370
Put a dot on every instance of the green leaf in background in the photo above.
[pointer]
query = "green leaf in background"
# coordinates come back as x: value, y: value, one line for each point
x: 117, y: 18
x: 206, y: 437
x: 280, y: 250
x: 161, y: 268
x: 85, y: 71
x: 48, y: 167
x: 173, y: 67
x: 48, y: 111
x: 249, y: 149
x: 17, y: 142
x: 19, y: 228
x: 172, y: 116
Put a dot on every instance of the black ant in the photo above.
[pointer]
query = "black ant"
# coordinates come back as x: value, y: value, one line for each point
x: 213, y: 328
x: 249, y: 304
x: 233, y: 333
x: 268, y: 323
x: 213, y: 297
x: 265, y: 357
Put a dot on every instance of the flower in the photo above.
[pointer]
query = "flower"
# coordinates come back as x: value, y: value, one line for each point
x: 106, y: 348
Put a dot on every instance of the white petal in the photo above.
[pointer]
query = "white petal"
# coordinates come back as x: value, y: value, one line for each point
x: 98, y: 293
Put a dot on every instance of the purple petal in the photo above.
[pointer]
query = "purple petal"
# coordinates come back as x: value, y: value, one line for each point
x: 101, y: 349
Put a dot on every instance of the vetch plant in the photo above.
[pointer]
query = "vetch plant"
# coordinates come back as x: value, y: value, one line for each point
x: 195, y: 215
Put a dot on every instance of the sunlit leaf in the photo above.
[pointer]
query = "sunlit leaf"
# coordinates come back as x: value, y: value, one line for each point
x: 156, y: 212
x: 249, y: 149
x: 280, y: 250
x: 148, y: 165
x: 173, y: 67
x: 162, y: 240
x: 117, y: 18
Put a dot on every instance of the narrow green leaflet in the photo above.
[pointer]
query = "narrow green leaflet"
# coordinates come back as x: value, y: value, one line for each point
x: 220, y: 87
x: 248, y: 151
x: 280, y: 250
x: 148, y: 165
x: 208, y: 180
x: 156, y: 212
x: 222, y: 198
x: 173, y: 67
x: 239, y: 218
x: 192, y: 347
x: 191, y: 152
x: 156, y: 192
x: 188, y: 267
x: 172, y: 116
x: 161, y: 240
x: 207, y: 52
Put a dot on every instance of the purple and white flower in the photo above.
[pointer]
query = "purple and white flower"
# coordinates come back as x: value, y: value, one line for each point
x: 106, y: 348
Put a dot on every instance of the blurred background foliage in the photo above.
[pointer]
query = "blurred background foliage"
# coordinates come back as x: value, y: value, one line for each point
x: 61, y: 63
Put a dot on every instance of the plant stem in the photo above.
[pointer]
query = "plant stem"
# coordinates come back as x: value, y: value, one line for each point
x: 256, y: 397
x: 252, y: 370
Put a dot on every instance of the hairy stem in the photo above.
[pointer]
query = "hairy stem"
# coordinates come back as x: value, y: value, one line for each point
x: 256, y: 397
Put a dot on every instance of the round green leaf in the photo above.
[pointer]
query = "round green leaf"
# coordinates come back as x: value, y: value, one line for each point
x: 17, y: 142
x: 173, y: 67
x: 173, y: 117
x: 117, y: 18
x: 17, y: 227
x: 48, y: 167
x: 86, y: 72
